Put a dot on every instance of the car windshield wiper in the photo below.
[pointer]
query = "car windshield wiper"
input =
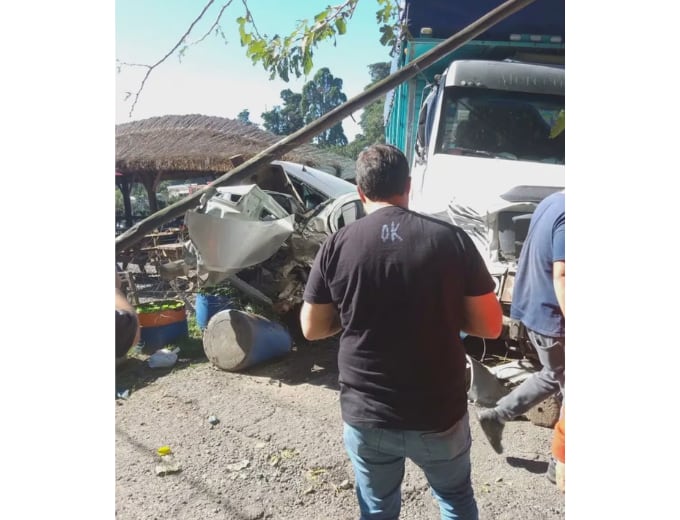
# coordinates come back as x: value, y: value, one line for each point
x: 481, y: 153
x: 471, y: 151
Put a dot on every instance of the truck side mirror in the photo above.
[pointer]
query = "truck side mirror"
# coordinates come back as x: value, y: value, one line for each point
x: 425, y: 124
x: 422, y: 134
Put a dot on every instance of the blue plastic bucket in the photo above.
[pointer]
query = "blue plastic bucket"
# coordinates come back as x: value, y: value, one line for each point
x: 208, y: 305
x: 235, y: 340
x: 157, y: 337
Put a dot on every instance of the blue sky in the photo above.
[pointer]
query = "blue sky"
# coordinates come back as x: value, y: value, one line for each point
x: 217, y: 79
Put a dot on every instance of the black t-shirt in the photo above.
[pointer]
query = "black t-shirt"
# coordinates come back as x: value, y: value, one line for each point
x: 398, y: 279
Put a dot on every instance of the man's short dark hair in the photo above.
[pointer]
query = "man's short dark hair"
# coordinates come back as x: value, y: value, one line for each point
x: 382, y: 172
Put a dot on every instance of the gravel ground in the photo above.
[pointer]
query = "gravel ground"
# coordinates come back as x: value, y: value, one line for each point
x: 277, y: 449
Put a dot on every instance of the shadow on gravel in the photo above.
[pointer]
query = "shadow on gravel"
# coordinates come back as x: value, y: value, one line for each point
x: 134, y: 374
x: 313, y: 363
x: 317, y: 362
x: 532, y: 466
x: 148, y: 453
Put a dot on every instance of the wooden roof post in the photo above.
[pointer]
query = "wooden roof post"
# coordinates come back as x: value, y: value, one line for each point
x: 151, y: 182
x: 125, y: 187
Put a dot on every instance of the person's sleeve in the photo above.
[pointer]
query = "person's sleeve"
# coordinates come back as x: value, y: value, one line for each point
x: 478, y: 281
x: 316, y: 289
x: 558, y: 240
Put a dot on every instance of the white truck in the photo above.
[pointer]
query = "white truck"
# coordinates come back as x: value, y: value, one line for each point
x: 483, y: 127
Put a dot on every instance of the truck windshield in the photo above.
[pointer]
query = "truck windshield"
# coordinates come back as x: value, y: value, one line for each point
x: 501, y: 124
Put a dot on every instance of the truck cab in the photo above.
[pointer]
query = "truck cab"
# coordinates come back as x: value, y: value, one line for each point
x: 483, y: 130
x: 488, y: 149
x: 481, y: 116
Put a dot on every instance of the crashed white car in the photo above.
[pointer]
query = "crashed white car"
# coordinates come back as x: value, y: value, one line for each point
x: 269, y: 228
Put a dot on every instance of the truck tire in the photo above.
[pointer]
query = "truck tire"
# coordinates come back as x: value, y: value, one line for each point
x: 547, y: 412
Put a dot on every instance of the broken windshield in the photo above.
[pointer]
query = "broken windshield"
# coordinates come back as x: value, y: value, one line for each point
x: 501, y: 124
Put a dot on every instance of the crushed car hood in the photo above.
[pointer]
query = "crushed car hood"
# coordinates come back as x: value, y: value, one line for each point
x: 232, y: 236
x: 268, y: 232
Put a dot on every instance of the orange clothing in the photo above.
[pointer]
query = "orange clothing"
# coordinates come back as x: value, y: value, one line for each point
x: 558, y: 439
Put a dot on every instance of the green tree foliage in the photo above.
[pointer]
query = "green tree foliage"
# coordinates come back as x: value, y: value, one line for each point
x: 287, y: 118
x: 120, y: 205
x: 294, y: 53
x: 372, y: 121
x: 244, y: 116
x: 378, y: 71
x: 319, y: 96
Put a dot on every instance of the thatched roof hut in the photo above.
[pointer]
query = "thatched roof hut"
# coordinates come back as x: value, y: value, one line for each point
x: 192, y: 146
x: 195, y: 145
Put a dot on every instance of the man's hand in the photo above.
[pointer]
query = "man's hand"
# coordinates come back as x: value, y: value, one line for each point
x: 558, y: 283
x: 122, y: 304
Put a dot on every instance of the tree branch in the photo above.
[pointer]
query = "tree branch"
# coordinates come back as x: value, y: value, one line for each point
x: 214, y: 25
x: 150, y: 68
x: 278, y: 56
x: 350, y: 5
x: 249, y: 17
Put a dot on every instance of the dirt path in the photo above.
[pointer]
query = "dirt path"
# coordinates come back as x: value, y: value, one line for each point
x: 284, y: 420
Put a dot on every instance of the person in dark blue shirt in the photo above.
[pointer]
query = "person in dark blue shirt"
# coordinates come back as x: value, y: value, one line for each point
x: 538, y: 303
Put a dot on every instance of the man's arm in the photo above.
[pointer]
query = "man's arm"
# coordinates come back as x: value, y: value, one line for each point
x: 319, y: 320
x: 483, y: 316
x: 123, y: 305
x: 558, y: 283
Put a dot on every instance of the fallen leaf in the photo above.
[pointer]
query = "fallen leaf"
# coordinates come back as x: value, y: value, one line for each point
x: 288, y: 454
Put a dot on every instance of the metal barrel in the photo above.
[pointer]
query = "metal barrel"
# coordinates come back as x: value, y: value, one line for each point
x: 236, y: 340
x: 208, y: 305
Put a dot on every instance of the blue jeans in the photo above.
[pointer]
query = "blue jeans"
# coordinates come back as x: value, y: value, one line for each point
x: 378, y: 457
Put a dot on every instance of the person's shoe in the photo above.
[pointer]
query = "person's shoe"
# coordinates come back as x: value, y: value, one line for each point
x: 492, y: 426
x: 550, y: 474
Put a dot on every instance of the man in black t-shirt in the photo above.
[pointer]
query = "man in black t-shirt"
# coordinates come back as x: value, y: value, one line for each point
x: 401, y: 287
